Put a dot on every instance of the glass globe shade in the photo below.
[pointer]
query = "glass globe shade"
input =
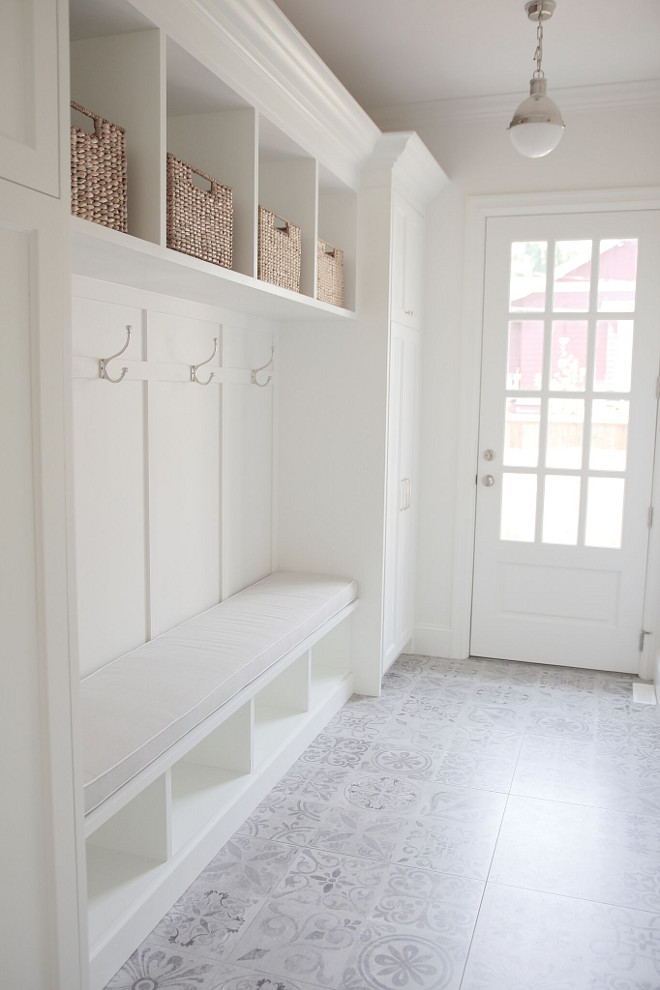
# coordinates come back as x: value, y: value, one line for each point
x: 537, y: 126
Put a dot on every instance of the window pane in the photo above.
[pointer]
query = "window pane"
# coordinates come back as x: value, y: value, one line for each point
x: 617, y: 276
x: 572, y: 276
x: 613, y: 357
x: 561, y: 509
x: 565, y: 430
x: 604, y: 512
x: 528, y: 273
x: 525, y: 359
x: 518, y: 507
x: 568, y: 364
x: 609, y: 434
x: 521, y: 432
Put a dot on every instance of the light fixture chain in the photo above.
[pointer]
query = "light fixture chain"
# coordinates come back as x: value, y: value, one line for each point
x: 538, y: 54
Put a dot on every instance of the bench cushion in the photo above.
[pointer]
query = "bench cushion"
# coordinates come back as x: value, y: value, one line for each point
x: 137, y: 707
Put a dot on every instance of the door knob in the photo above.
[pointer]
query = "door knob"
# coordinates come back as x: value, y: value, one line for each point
x: 489, y: 455
x: 488, y: 480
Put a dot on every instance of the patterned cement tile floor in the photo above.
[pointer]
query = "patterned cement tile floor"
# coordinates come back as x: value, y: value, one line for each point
x: 484, y: 825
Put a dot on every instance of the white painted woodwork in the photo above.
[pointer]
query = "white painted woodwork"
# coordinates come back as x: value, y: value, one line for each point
x: 122, y: 78
x: 110, y: 488
x: 407, y: 277
x: 40, y: 939
x: 183, y: 424
x: 535, y: 600
x: 224, y: 145
x: 248, y: 459
x: 29, y: 105
x: 402, y: 481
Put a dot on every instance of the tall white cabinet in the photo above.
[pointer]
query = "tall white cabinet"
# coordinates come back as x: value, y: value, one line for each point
x: 40, y: 944
x: 181, y: 495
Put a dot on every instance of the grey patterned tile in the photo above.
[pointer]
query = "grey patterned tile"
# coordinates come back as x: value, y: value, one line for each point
x: 418, y: 712
x: 383, y: 792
x: 525, y: 940
x: 394, y: 757
x: 455, y: 832
x: 593, y: 853
x: 284, y: 818
x: 214, y: 911
x: 336, y: 751
x: 561, y: 723
x: 155, y: 968
x: 360, y: 833
x: 498, y: 717
x: 239, y: 978
x: 309, y: 926
x: 365, y: 721
x: 312, y: 782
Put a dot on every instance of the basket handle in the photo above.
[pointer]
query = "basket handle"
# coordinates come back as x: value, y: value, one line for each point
x: 329, y: 250
x: 279, y: 223
x: 97, y: 118
x: 213, y: 191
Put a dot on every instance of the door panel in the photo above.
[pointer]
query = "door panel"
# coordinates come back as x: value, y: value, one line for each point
x: 568, y: 412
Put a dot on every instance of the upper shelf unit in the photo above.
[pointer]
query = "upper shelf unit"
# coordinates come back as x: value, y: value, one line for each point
x: 168, y: 101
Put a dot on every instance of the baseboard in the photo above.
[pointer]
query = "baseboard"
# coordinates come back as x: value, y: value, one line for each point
x: 432, y: 641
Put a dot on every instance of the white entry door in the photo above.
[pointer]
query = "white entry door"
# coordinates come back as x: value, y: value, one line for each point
x: 571, y: 348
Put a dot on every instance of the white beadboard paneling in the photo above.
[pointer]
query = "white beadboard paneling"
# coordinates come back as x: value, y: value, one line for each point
x: 108, y: 450
x: 184, y: 473
x: 247, y: 463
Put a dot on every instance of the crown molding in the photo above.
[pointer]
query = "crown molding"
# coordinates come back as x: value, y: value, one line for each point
x: 579, y: 98
x: 403, y: 160
x: 259, y: 54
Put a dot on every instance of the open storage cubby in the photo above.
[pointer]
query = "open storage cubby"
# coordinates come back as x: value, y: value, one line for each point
x: 126, y: 68
x: 330, y: 663
x: 280, y: 709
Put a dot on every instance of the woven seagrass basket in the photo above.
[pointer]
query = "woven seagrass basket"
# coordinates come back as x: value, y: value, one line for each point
x: 199, y: 221
x: 329, y: 273
x: 279, y: 251
x: 98, y: 172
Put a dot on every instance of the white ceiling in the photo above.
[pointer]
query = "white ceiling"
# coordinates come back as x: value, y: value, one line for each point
x: 389, y: 52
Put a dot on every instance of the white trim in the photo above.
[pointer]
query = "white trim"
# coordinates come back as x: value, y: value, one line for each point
x: 432, y: 641
x: 577, y: 99
x: 478, y: 210
x: 260, y: 55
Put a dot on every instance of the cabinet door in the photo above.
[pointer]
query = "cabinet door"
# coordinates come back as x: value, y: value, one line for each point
x: 407, y: 263
x: 401, y: 512
x: 39, y: 940
x: 29, y: 146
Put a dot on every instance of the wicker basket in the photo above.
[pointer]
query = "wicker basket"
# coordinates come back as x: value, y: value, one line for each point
x: 98, y: 172
x: 279, y: 251
x: 329, y: 273
x: 199, y: 221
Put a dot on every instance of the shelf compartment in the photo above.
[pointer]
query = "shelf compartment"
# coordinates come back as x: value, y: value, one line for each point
x: 211, y: 777
x: 121, y: 77
x: 125, y: 856
x: 281, y: 709
x: 337, y: 224
x: 101, y: 253
x: 330, y: 664
x: 211, y: 127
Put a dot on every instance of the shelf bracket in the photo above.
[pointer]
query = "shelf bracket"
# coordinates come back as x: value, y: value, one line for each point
x: 255, y: 371
x: 194, y: 368
x: 103, y: 362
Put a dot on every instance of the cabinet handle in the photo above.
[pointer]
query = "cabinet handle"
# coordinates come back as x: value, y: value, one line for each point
x: 410, y: 312
x: 406, y: 500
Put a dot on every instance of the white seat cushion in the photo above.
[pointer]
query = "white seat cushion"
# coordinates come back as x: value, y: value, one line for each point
x: 137, y: 707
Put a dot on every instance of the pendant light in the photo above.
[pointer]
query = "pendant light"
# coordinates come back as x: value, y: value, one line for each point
x: 537, y: 127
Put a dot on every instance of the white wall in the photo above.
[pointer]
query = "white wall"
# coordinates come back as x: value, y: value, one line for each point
x: 603, y: 149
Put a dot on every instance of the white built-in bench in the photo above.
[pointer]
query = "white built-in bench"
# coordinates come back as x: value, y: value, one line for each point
x: 183, y: 737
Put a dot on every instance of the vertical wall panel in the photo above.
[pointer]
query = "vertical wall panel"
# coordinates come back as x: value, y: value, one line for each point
x: 184, y: 474
x: 109, y: 489
x: 247, y: 467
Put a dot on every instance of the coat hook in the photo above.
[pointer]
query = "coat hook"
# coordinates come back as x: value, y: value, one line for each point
x: 103, y: 362
x: 255, y: 371
x: 194, y: 367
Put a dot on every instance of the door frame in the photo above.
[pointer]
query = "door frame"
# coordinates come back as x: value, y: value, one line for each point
x: 478, y: 210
